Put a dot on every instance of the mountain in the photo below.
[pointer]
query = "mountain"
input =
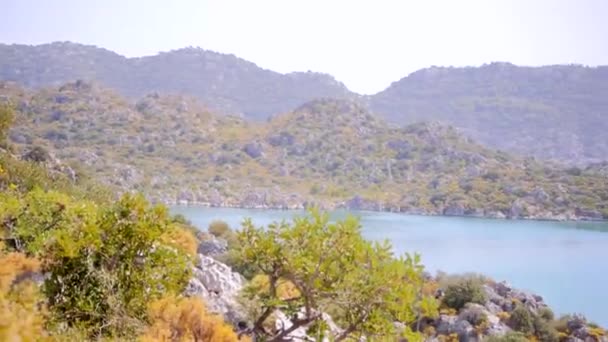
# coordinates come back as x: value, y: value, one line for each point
x: 334, y: 153
x: 551, y: 112
x: 226, y: 83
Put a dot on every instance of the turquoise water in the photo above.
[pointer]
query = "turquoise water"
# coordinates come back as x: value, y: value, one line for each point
x: 565, y: 262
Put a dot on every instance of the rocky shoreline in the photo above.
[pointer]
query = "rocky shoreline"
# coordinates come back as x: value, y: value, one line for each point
x: 358, y: 204
x: 496, y: 316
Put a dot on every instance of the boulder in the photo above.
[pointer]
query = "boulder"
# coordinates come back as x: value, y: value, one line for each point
x: 300, y: 334
x: 212, y: 247
x: 281, y: 139
x: 359, y: 203
x: 465, y: 331
x: 517, y: 209
x: 502, y: 288
x: 454, y: 210
x: 576, y: 322
x: 447, y: 325
x: 254, y: 150
x: 218, y: 286
x: 539, y: 194
x: 588, y: 214
x: 475, y: 314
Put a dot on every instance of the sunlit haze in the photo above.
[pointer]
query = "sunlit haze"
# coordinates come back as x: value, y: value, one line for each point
x: 365, y: 44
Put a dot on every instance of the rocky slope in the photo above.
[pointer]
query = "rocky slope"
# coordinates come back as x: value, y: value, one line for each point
x: 225, y: 82
x: 330, y: 152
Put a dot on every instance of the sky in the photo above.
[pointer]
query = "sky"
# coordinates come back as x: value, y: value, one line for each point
x: 365, y: 44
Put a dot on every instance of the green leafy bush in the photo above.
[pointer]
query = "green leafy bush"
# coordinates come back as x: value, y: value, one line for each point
x: 544, y: 331
x: 218, y: 228
x: 512, y: 336
x: 522, y: 320
x: 466, y: 290
x: 546, y: 314
x: 105, y: 263
x: 333, y: 269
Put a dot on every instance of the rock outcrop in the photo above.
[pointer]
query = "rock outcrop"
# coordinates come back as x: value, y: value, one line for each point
x: 212, y: 247
x: 219, y: 286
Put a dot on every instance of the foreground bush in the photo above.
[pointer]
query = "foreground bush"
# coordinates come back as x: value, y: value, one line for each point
x: 185, y: 320
x: 328, y: 267
x: 104, y: 263
x: 22, y: 316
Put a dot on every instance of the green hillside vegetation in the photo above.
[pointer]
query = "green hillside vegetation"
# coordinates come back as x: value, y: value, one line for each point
x: 329, y: 152
x: 76, y: 265
x: 79, y: 264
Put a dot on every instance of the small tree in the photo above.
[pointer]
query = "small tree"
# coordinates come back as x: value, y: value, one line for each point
x: 334, y: 270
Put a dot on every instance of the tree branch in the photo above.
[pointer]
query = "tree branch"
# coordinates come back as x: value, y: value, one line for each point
x: 351, y: 328
x: 295, y: 324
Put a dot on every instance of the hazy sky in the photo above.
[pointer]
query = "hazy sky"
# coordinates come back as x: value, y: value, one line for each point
x: 365, y: 44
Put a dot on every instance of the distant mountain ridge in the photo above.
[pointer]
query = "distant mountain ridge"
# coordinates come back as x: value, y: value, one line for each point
x: 552, y: 112
x: 224, y: 82
x: 557, y: 112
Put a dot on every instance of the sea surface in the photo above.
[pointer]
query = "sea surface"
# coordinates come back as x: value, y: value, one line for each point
x: 565, y: 262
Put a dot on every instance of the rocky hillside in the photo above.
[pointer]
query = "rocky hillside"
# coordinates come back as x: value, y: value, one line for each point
x: 552, y: 112
x: 330, y: 152
x: 225, y: 82
x: 556, y: 112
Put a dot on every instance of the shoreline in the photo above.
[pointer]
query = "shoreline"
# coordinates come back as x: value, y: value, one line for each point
x: 410, y: 212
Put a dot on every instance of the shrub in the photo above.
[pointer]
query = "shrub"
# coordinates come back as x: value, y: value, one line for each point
x: 544, y: 331
x: 97, y: 274
x: 546, y: 314
x: 466, y: 290
x: 574, y: 171
x: 6, y: 119
x: 561, y: 324
x: 21, y: 311
x: 522, y: 320
x: 181, y: 238
x: 105, y: 263
x: 503, y: 316
x: 508, y: 337
x: 218, y: 228
x: 597, y: 333
x: 185, y: 319
x: 37, y: 154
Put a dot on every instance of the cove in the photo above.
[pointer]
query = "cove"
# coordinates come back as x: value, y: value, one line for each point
x: 565, y: 262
